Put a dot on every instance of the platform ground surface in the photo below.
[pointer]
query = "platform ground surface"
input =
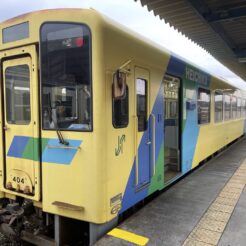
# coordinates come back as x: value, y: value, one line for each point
x: 172, y: 218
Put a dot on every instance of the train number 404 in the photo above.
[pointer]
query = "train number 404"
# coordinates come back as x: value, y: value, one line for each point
x: 18, y: 180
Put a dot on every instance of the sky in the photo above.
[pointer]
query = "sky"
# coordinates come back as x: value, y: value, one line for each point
x: 138, y: 18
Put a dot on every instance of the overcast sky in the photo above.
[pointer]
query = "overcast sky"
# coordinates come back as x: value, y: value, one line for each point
x: 135, y: 17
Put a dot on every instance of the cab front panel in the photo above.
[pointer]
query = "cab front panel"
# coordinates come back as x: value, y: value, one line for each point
x: 75, y: 189
x: 66, y: 147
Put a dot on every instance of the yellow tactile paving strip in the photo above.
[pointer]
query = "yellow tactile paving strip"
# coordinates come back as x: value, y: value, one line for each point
x: 210, y: 228
x: 129, y: 236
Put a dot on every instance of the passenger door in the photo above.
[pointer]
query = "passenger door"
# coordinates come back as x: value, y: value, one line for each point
x: 142, y: 128
x: 172, y: 125
x: 21, y: 124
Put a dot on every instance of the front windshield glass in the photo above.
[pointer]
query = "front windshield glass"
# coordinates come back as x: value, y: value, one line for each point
x: 66, y: 78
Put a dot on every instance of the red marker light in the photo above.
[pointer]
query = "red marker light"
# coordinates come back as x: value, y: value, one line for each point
x: 79, y: 42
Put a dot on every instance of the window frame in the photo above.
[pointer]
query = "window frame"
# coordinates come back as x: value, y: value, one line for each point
x: 208, y: 90
x: 90, y: 75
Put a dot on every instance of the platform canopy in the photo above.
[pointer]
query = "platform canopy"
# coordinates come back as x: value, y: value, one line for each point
x: 218, y: 26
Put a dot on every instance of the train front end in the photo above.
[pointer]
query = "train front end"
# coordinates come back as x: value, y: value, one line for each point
x: 51, y: 137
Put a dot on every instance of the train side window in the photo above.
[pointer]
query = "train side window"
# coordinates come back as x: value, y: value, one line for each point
x: 141, y: 89
x: 120, y: 110
x: 243, y: 108
x: 203, y: 106
x: 218, y: 112
x: 227, y: 107
x: 239, y: 108
x: 234, y: 107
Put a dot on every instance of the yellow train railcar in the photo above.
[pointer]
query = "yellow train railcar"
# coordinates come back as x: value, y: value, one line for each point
x: 94, y: 119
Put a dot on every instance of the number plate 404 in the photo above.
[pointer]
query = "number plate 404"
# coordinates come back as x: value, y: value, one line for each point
x: 19, y: 181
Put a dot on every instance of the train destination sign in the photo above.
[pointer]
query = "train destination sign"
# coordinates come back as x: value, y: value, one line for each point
x: 196, y: 76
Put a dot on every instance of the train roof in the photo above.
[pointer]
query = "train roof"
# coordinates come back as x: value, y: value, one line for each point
x: 36, y: 18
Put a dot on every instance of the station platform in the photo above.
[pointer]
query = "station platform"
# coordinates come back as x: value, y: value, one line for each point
x: 207, y: 207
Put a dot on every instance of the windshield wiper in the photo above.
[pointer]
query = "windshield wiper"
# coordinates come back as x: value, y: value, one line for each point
x: 60, y: 137
x: 53, y: 117
x: 58, y: 132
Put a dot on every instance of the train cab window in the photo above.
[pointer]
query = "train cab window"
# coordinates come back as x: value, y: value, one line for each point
x: 66, y: 77
x: 121, y: 111
x: 239, y: 108
x: 234, y: 107
x: 227, y: 106
x: 141, y: 89
x: 203, y: 106
x: 17, y: 81
x: 218, y: 100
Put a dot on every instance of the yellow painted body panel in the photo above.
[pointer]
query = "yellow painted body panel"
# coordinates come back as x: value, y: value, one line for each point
x: 215, y: 135
x: 213, y: 138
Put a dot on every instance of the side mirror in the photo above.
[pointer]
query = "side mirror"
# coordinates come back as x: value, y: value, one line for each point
x: 119, y: 84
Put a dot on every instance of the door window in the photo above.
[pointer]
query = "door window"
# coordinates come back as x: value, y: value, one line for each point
x: 17, y: 79
x: 141, y: 88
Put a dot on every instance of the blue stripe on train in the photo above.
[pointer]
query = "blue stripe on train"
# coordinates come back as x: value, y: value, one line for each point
x: 176, y: 67
x: 53, y: 151
x: 18, y: 146
x: 189, y: 140
x: 58, y: 153
x: 244, y: 129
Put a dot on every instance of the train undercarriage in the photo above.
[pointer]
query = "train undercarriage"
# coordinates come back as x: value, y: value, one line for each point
x: 21, y: 223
